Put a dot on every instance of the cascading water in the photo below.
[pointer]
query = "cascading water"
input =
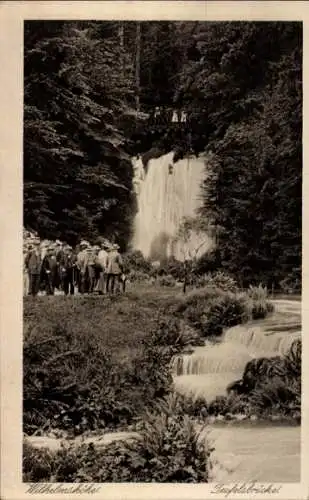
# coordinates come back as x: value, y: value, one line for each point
x: 166, y: 193
x: 210, y: 369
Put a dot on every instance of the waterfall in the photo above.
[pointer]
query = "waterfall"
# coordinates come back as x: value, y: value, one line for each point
x: 211, y: 368
x: 166, y: 193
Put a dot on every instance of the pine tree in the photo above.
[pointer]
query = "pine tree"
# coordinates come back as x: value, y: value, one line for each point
x: 76, y: 169
x: 253, y: 194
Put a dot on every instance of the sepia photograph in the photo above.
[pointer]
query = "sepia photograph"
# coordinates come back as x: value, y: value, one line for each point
x: 162, y: 195
x: 162, y: 246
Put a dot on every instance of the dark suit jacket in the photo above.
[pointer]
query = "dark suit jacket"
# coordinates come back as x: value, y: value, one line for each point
x: 50, y: 264
x: 33, y: 263
x: 67, y: 261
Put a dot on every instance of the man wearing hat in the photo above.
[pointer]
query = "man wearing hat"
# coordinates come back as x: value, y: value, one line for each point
x: 33, y: 264
x: 67, y: 264
x: 102, y: 265
x: 96, y: 267
x: 59, y: 252
x: 114, y: 268
x: 91, y: 264
x: 81, y: 264
x: 50, y: 275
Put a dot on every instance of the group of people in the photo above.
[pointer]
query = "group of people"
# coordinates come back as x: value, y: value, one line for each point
x: 86, y: 269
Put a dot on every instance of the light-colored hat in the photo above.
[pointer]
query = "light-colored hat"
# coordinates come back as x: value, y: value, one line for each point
x: 115, y: 246
x: 84, y: 243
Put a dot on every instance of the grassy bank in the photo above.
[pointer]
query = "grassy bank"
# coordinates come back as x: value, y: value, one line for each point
x: 97, y: 362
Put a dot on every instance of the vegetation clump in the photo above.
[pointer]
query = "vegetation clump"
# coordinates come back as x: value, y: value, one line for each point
x: 212, y: 309
x: 83, y: 372
x: 168, y: 449
x: 269, y: 388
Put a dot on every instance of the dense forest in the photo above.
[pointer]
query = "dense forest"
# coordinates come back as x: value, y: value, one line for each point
x: 90, y: 94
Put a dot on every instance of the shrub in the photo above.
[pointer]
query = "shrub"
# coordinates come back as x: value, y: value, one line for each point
x: 218, y: 280
x: 176, y: 334
x: 257, y: 305
x: 54, y: 396
x: 258, y: 292
x: 218, y: 406
x: 149, y: 373
x: 166, y: 280
x: 38, y: 464
x: 196, y: 408
x: 271, y: 385
x: 238, y: 404
x: 72, y: 383
x: 232, y: 404
x: 223, y: 312
x: 168, y: 449
x: 197, y: 297
x: 51, y: 389
x: 260, y: 309
x: 212, y: 309
x: 292, y: 283
x: 172, y: 267
x: 276, y: 395
x: 136, y: 276
x: 293, y: 360
x: 135, y: 261
x: 209, y: 261
x: 96, y: 393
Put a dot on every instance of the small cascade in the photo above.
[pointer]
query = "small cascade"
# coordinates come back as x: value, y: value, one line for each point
x: 260, y: 342
x: 219, y: 358
x: 210, y: 369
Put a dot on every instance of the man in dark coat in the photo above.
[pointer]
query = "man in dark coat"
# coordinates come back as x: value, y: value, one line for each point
x: 50, y: 271
x: 33, y: 263
x: 67, y: 264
